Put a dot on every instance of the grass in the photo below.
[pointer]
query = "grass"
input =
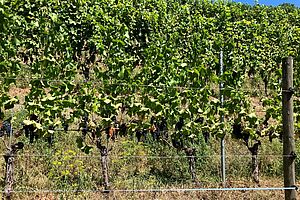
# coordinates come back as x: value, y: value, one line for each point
x: 170, y: 195
x: 65, y: 167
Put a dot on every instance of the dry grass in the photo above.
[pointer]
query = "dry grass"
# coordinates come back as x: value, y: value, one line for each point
x: 37, y: 178
x: 230, y: 195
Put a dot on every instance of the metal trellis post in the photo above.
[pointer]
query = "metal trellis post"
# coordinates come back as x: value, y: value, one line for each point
x: 223, y: 174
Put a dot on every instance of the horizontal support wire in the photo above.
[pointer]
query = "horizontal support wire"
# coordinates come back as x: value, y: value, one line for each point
x: 162, y: 157
x: 156, y: 190
x: 145, y: 85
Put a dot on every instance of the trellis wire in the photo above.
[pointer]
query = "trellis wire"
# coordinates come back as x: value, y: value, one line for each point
x: 256, y: 111
x: 144, y: 85
x: 145, y: 156
x: 156, y: 190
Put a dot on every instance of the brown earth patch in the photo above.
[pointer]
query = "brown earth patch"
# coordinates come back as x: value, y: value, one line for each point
x: 19, y: 92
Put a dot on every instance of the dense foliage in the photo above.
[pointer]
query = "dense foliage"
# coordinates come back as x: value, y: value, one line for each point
x: 139, y: 59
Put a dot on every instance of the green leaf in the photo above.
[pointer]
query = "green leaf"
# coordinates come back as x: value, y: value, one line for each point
x: 87, y: 149
x: 79, y: 142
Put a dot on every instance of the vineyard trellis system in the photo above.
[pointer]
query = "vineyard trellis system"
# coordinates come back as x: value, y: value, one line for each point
x: 288, y: 154
x: 155, y: 63
x: 24, y: 189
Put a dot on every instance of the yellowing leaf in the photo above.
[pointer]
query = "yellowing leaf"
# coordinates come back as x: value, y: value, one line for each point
x: 28, y: 122
x: 107, y: 101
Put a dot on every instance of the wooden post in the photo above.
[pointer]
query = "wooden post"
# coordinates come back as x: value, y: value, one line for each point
x: 289, y: 154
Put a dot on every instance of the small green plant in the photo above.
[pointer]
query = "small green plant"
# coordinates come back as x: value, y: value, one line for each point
x: 65, y: 169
